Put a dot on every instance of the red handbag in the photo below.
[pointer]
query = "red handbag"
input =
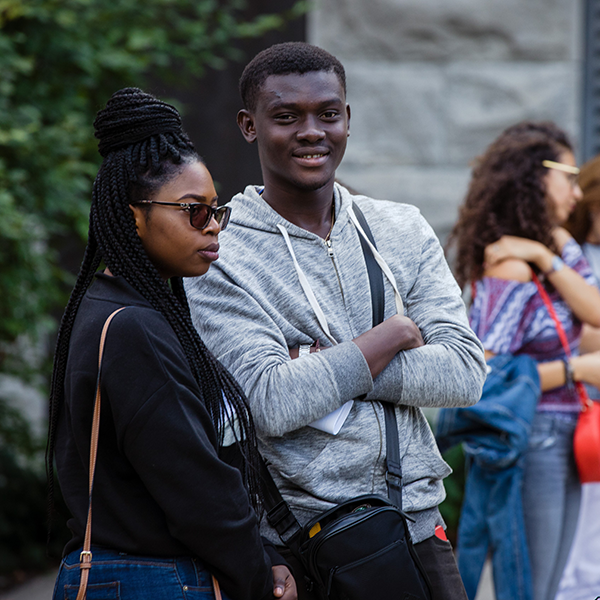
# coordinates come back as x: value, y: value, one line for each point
x: 586, y: 442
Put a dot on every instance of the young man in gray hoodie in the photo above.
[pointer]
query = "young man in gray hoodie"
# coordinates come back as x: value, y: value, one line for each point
x: 254, y: 314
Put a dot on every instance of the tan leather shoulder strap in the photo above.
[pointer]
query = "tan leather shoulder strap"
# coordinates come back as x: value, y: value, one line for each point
x: 85, y: 559
x: 216, y: 588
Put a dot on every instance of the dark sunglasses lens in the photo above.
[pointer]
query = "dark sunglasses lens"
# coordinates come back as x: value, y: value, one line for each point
x: 222, y: 216
x: 200, y: 215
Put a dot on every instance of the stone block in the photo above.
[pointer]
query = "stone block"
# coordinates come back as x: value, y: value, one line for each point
x: 441, y: 30
x: 426, y: 114
x: 397, y: 113
x: 436, y: 191
x: 480, y: 100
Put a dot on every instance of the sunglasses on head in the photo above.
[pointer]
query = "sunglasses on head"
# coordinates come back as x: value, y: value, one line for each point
x: 200, y: 214
x: 570, y: 171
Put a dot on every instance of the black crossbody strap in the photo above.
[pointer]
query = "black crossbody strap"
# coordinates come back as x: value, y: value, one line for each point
x: 279, y: 515
x: 375, y: 273
x: 393, y: 475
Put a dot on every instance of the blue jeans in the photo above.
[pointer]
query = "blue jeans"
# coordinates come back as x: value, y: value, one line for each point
x: 495, y: 433
x: 492, y: 519
x: 551, y: 496
x: 119, y: 576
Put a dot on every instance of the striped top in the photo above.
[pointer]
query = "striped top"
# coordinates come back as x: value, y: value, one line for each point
x: 510, y: 317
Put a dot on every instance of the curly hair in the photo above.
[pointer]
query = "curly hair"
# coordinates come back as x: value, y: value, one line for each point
x: 282, y: 59
x: 580, y: 221
x: 144, y: 146
x: 507, y: 194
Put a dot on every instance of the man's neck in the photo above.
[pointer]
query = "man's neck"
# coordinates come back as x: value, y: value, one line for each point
x: 310, y: 210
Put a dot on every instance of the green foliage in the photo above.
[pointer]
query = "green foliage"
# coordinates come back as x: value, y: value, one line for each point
x: 455, y: 486
x: 22, y: 498
x: 60, y: 61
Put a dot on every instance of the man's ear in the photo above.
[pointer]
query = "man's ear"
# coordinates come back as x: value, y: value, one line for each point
x: 245, y: 122
x: 348, y: 117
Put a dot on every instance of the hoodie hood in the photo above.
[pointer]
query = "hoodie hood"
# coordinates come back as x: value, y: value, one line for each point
x: 249, y: 209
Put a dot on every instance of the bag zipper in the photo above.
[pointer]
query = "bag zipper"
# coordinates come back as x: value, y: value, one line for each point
x: 334, y: 570
x: 324, y: 538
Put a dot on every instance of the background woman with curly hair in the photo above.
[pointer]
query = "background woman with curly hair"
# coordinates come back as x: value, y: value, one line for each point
x: 522, y: 190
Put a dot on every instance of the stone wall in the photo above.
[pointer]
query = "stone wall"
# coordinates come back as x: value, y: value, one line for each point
x: 432, y: 82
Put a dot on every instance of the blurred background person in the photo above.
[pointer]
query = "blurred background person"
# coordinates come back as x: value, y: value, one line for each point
x: 581, y: 578
x: 584, y: 221
x: 509, y: 227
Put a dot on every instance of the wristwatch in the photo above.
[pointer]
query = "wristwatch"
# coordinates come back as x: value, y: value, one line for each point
x: 569, y: 374
x: 556, y: 265
x: 303, y: 349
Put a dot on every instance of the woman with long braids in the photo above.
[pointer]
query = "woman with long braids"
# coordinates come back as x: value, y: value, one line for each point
x: 168, y: 510
x: 521, y: 193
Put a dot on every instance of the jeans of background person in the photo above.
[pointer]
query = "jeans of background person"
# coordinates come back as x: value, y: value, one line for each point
x: 119, y: 576
x: 551, y: 497
x: 435, y: 555
x: 495, y: 435
x: 491, y: 519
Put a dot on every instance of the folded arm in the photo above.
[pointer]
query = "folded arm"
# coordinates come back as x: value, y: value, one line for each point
x: 449, y: 369
x: 284, y: 394
x: 582, y: 297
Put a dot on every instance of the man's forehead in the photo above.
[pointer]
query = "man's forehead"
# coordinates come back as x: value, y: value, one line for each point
x: 292, y: 88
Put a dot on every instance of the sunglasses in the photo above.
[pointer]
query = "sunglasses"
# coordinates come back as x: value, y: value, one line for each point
x: 200, y: 214
x: 570, y: 171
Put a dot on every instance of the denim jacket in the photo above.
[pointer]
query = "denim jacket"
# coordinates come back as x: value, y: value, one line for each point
x: 494, y: 434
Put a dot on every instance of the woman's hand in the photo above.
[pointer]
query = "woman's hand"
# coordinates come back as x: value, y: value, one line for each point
x: 284, y: 585
x: 582, y: 298
x: 561, y: 237
x: 510, y: 246
x: 586, y: 368
x: 590, y: 339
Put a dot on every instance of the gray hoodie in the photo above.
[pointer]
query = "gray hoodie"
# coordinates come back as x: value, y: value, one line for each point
x: 250, y: 309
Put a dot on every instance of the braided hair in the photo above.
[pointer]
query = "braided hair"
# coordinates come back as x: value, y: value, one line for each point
x: 144, y: 146
x: 507, y: 194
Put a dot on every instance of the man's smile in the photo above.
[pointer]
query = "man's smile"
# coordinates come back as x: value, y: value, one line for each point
x: 311, y: 157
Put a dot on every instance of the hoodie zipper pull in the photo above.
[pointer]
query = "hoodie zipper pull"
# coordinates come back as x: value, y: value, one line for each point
x: 329, y: 248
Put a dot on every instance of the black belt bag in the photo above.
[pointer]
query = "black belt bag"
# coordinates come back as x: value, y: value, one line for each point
x: 360, y: 549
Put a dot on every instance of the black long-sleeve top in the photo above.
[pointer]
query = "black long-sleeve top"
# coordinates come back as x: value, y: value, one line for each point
x: 160, y: 488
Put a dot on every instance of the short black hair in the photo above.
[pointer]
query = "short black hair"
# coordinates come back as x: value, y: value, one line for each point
x: 282, y: 59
